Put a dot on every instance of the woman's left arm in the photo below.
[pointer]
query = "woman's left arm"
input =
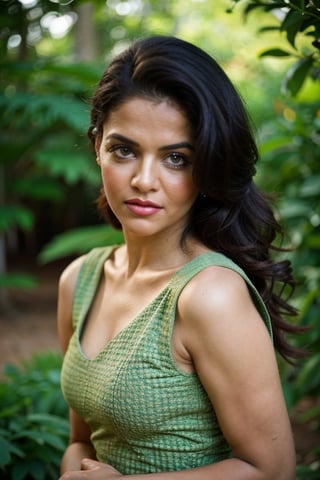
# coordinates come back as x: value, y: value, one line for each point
x: 234, y: 357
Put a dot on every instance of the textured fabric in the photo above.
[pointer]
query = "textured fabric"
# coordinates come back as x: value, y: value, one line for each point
x: 146, y: 414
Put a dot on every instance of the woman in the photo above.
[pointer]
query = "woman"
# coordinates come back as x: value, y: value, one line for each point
x: 169, y: 368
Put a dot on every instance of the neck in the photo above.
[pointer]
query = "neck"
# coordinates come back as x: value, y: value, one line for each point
x: 154, y: 254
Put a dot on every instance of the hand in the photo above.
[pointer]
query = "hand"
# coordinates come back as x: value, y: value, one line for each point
x: 92, y: 470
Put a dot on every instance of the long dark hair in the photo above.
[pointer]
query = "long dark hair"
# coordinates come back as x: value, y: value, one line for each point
x: 231, y: 215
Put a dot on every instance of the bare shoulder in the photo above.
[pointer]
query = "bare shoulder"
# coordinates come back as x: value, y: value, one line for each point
x: 67, y: 285
x: 216, y: 289
x: 70, y: 273
x: 216, y: 309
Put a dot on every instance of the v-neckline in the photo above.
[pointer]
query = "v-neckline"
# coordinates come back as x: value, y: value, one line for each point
x: 132, y: 323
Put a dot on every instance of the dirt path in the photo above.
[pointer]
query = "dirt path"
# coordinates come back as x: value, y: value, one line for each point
x: 28, y: 324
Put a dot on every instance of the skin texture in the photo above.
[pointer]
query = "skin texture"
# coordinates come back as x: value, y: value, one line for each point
x: 218, y: 332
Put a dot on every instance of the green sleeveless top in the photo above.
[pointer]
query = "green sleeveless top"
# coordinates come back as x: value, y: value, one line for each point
x: 146, y: 414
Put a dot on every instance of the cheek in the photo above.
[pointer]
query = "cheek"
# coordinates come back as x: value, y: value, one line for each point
x: 183, y: 191
x: 112, y: 180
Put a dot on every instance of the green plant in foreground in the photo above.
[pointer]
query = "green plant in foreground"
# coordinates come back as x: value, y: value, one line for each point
x: 306, y: 472
x: 296, y: 19
x: 34, y: 427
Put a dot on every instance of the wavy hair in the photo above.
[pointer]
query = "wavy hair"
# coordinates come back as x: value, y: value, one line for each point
x: 231, y: 215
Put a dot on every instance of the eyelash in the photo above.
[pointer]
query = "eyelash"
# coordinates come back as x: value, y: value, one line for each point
x: 183, y: 158
x: 173, y: 155
x: 116, y: 148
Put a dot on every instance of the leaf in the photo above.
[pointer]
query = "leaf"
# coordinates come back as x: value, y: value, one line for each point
x: 270, y: 28
x: 296, y: 76
x: 6, y: 449
x: 311, y: 186
x: 18, y: 280
x: 310, y: 414
x: 5, y: 452
x: 79, y: 241
x: 50, y: 439
x: 38, y: 188
x: 294, y: 208
x: 72, y: 166
x: 48, y: 420
x: 309, y: 374
x: 313, y: 241
x: 20, y: 471
x: 11, y: 215
x: 298, y: 3
x: 35, y: 468
x: 44, y: 110
x: 11, y: 370
x: 90, y: 74
x: 275, y: 52
x: 275, y: 144
x: 263, y: 5
x: 292, y: 25
x: 41, y: 438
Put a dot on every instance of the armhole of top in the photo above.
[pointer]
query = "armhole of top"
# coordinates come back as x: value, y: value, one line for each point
x: 219, y: 259
x: 255, y: 295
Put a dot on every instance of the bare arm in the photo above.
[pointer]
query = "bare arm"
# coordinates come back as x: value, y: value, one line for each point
x: 234, y: 358
x: 80, y: 445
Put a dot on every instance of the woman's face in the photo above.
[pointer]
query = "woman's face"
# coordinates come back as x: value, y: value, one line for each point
x: 146, y: 155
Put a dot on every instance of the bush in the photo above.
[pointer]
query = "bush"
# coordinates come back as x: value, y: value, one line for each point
x: 34, y: 426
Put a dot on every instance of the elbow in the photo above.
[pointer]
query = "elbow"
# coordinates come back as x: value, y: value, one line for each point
x: 286, y: 471
x: 283, y: 468
x: 279, y: 466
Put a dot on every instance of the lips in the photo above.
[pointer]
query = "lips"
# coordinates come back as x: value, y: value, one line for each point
x: 142, y: 207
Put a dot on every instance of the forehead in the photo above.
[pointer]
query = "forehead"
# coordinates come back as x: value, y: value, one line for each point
x: 156, y: 115
x: 146, y: 101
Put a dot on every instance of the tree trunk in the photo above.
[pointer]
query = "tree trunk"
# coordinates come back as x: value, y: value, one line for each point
x: 3, y: 266
x: 85, y: 39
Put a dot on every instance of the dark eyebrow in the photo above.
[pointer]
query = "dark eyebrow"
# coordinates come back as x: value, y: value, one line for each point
x: 174, y: 146
x: 121, y: 138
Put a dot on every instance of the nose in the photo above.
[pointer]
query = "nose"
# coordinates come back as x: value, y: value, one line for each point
x: 145, y: 175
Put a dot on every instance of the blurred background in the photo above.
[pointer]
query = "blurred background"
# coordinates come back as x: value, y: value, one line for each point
x: 53, y: 53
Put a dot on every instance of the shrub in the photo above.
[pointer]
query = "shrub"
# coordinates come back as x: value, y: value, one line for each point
x: 34, y: 426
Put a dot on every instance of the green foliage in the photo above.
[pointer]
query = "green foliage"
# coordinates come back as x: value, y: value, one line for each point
x: 15, y: 215
x: 17, y: 280
x: 43, y: 144
x: 309, y: 472
x: 299, y: 21
x: 34, y: 426
x: 80, y: 240
x: 290, y: 147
